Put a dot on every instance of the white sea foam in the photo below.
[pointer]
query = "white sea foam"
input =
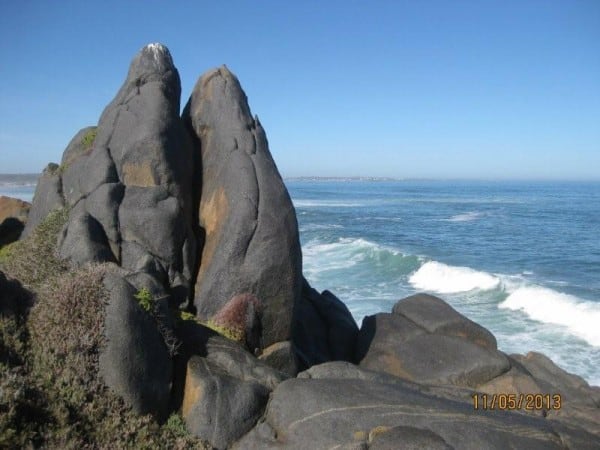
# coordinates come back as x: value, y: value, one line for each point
x: 465, y: 217
x: 581, y: 318
x: 326, y: 204
x: 444, y: 279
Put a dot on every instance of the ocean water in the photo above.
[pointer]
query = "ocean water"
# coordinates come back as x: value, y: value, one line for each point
x: 22, y: 190
x: 521, y: 259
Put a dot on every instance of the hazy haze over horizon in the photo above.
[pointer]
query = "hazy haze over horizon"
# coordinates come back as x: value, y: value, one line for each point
x: 435, y: 89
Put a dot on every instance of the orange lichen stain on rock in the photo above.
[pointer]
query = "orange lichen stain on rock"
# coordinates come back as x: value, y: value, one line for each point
x: 360, y: 436
x: 138, y: 175
x: 512, y: 382
x: 213, y: 213
x: 395, y: 367
x: 13, y: 207
x: 377, y: 431
x: 191, y: 394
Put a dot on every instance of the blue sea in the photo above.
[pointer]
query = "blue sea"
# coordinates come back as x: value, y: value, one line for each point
x: 520, y: 258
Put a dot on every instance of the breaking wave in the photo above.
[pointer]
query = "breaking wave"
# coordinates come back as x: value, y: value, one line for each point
x: 444, y: 279
x: 580, y: 317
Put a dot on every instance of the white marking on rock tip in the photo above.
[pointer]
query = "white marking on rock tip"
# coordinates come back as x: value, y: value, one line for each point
x: 159, y: 52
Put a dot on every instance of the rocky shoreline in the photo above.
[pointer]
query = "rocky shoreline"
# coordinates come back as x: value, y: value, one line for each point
x: 184, y: 232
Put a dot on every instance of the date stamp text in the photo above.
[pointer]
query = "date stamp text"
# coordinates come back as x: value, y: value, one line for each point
x: 511, y: 402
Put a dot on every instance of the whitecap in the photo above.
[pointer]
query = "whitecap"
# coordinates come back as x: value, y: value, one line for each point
x: 326, y: 204
x: 444, y: 279
x: 581, y: 318
x: 465, y: 217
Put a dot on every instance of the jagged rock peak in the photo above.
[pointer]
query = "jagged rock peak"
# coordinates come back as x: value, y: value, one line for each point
x: 158, y: 55
x: 251, y: 243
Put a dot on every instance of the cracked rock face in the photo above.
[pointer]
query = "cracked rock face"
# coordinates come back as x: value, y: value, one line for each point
x: 251, y: 233
x: 129, y: 192
x: 127, y: 185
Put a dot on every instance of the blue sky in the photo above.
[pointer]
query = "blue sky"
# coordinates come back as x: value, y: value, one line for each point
x: 420, y: 89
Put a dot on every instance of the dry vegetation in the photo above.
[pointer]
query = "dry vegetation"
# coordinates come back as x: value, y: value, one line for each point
x: 50, y: 394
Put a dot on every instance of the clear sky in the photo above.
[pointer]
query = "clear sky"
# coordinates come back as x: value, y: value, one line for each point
x: 425, y: 89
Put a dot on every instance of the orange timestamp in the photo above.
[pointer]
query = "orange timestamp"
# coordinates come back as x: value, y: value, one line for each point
x: 527, y: 402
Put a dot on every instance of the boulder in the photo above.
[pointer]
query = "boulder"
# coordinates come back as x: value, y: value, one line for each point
x: 47, y: 197
x: 351, y: 413
x: 82, y: 143
x: 411, y: 438
x: 580, y: 402
x: 323, y: 328
x: 231, y: 357
x: 217, y: 407
x: 282, y: 357
x: 426, y: 341
x: 436, y: 316
x: 310, y: 336
x: 251, y: 234
x: 135, y: 362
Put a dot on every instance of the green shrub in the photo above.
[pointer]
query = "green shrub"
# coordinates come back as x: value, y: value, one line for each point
x: 145, y: 300
x: 51, y: 395
x: 235, y: 334
x: 33, y: 260
x: 66, y: 327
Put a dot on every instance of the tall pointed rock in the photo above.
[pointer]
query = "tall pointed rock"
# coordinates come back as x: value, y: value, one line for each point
x: 251, y: 242
x: 127, y: 184
x: 130, y: 190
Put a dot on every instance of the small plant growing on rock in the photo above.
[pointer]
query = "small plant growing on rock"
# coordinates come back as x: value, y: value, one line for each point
x: 88, y: 140
x: 185, y: 315
x: 145, y: 300
x: 240, y: 320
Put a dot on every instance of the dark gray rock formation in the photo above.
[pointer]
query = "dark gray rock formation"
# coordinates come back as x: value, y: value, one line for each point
x: 225, y: 389
x: 436, y: 316
x: 231, y: 357
x: 129, y: 186
x: 282, y: 357
x: 251, y: 243
x: 427, y: 341
x: 354, y: 413
x: 48, y: 197
x: 135, y: 362
x: 217, y: 407
x: 323, y: 328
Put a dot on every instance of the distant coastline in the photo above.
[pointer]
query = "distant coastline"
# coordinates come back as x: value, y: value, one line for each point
x: 19, y: 179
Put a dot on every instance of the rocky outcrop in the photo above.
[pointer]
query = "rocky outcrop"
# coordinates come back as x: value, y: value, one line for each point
x: 48, y: 197
x: 135, y: 362
x: 225, y: 388
x: 251, y: 243
x: 194, y: 209
x: 355, y: 413
x: 427, y: 341
x: 129, y: 192
x: 323, y: 328
x: 127, y: 187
